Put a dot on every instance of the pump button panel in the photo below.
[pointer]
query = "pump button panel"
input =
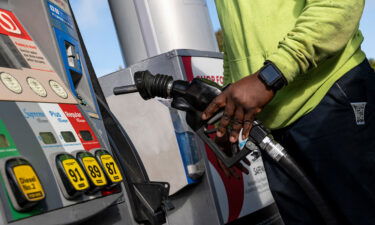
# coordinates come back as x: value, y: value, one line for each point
x: 26, y: 188
x: 72, y: 176
x: 109, y: 166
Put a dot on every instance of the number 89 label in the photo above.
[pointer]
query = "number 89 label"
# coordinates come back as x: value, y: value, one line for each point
x: 111, y: 168
x: 75, y: 174
x: 94, y: 171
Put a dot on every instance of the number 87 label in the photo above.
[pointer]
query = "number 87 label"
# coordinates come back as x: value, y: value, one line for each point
x: 111, y: 168
x: 75, y: 174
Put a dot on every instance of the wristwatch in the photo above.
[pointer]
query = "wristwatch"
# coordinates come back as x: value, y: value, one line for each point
x: 272, y: 77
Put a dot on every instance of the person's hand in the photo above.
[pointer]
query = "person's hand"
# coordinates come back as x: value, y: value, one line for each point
x: 242, y: 101
x: 227, y: 148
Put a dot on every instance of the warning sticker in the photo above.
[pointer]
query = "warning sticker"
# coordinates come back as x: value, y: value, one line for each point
x: 75, y: 174
x: 10, y: 26
x: 18, y: 50
x: 29, y: 183
x: 33, y: 56
x: 94, y: 171
x: 111, y: 168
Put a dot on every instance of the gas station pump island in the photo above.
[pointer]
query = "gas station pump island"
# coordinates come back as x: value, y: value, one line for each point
x: 71, y: 152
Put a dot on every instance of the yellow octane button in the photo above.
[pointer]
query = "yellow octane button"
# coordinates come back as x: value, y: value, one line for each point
x: 75, y: 174
x: 94, y: 171
x: 29, y: 183
x: 111, y: 168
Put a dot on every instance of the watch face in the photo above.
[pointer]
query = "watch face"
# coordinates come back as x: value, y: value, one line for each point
x: 37, y: 87
x: 58, y: 89
x: 11, y: 83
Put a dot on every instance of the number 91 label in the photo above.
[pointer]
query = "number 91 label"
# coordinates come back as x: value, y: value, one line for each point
x: 75, y: 174
x: 94, y: 171
x: 111, y: 168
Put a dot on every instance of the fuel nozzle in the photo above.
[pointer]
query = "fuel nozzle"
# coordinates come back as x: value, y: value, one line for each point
x: 148, y: 85
x: 192, y: 97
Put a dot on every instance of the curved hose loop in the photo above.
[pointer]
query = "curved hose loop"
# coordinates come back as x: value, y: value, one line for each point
x: 293, y: 170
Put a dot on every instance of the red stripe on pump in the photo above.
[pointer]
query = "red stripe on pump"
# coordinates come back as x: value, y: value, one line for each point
x: 234, y: 187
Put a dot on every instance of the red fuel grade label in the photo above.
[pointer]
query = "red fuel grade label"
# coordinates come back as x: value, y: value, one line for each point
x: 81, y: 126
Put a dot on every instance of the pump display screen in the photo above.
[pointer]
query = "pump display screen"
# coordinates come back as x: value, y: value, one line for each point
x: 3, y: 141
x: 68, y: 136
x: 86, y: 135
x: 48, y: 138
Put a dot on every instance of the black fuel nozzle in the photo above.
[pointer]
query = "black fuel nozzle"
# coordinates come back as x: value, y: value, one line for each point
x: 192, y: 97
x: 148, y: 85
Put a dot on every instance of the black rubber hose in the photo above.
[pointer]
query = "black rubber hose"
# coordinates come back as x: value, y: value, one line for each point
x: 294, y: 171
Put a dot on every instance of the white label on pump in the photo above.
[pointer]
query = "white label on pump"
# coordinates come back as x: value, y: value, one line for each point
x: 212, y: 69
x: 62, y: 127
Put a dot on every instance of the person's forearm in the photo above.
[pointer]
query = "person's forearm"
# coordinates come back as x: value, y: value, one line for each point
x: 321, y: 31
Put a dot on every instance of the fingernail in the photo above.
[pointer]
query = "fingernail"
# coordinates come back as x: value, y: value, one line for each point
x: 219, y: 134
x: 204, y: 116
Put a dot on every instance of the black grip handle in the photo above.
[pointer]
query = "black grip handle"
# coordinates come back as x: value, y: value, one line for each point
x: 125, y: 89
x: 228, y: 161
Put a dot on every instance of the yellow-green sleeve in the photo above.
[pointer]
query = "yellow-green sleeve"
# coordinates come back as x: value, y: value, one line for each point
x: 321, y: 31
x: 226, y: 66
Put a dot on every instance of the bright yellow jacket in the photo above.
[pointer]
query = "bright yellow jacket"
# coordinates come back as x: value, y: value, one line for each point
x: 313, y: 42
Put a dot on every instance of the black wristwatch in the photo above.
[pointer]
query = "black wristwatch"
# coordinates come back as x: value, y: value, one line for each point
x: 272, y: 76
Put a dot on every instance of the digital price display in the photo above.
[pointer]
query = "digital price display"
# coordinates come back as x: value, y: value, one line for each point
x: 86, y: 135
x: 68, y: 136
x: 48, y: 138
